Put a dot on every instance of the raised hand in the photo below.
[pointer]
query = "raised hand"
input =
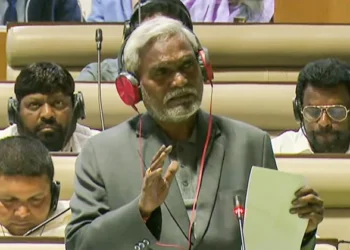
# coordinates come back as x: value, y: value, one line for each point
x: 155, y: 186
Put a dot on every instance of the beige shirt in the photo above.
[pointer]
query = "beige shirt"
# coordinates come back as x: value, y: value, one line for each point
x: 292, y: 142
x: 75, y: 143
x: 55, y: 228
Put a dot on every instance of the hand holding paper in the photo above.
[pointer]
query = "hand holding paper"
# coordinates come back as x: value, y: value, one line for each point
x: 308, y: 205
x: 269, y: 223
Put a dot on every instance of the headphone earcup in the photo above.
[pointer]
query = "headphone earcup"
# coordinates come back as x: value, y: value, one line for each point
x: 79, y: 106
x: 128, y: 88
x: 205, y: 65
x: 297, y: 110
x: 55, y: 195
x: 12, y: 110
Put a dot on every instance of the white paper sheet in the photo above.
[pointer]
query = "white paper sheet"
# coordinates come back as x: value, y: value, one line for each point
x: 268, y: 224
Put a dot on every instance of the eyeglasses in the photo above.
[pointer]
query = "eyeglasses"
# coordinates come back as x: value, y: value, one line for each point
x: 337, y: 113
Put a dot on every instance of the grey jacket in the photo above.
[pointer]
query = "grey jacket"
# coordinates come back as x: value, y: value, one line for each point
x: 109, y: 70
x: 108, y: 182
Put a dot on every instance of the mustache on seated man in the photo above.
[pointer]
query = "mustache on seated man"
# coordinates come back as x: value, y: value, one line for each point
x: 136, y: 183
x: 321, y: 107
x: 47, y: 108
x: 28, y: 193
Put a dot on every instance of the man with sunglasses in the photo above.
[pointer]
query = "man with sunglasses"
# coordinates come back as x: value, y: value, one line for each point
x: 321, y: 106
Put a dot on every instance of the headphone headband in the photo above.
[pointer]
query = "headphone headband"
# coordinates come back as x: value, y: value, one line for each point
x: 128, y: 86
x: 129, y: 25
x: 120, y: 58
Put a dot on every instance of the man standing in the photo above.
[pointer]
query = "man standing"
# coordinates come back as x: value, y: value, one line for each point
x: 47, y: 108
x: 168, y: 177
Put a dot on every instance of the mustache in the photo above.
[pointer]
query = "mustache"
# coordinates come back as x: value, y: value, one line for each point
x: 180, y: 92
x: 52, y: 124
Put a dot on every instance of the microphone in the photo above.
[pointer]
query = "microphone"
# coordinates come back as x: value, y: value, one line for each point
x: 239, y: 212
x: 98, y: 39
x: 45, y: 222
x: 343, y: 242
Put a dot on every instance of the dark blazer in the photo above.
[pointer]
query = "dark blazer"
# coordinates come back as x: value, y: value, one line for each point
x: 53, y: 10
x: 108, y: 181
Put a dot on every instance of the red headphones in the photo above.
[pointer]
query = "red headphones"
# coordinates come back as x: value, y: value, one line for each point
x: 128, y: 86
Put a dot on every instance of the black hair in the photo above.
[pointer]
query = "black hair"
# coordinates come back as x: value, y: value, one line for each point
x: 44, y: 78
x: 171, y: 8
x: 324, y: 73
x: 25, y: 156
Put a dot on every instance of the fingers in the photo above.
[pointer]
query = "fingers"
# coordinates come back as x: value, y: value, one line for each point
x: 306, y: 210
x: 305, y: 191
x: 152, y: 177
x: 307, y: 199
x: 159, y: 161
x: 171, y: 171
x: 308, y: 205
x: 157, y: 155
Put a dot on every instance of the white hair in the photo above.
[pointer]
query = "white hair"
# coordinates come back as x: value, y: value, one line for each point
x: 152, y: 30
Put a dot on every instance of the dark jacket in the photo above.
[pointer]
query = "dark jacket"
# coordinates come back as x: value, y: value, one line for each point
x: 53, y: 10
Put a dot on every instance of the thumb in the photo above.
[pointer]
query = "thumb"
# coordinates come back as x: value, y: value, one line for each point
x: 171, y: 171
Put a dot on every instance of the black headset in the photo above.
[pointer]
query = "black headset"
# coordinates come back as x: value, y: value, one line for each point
x: 78, y: 108
x: 129, y: 25
x: 55, y: 195
x: 297, y: 109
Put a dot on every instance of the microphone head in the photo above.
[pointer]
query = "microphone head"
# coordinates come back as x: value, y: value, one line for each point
x: 98, y: 35
x: 238, y: 206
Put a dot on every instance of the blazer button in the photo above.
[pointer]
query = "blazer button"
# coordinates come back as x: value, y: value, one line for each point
x: 141, y: 245
x: 146, y: 242
x: 137, y: 247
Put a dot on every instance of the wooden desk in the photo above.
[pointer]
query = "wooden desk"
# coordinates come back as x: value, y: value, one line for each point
x: 312, y: 11
x: 20, y: 239
x: 3, y: 53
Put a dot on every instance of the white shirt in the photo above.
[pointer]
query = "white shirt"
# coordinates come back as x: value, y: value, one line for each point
x: 292, y: 142
x: 75, y: 143
x: 55, y: 228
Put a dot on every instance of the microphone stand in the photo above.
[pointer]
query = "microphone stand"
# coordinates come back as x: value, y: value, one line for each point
x: 46, y: 222
x: 99, y: 39
x: 239, y: 211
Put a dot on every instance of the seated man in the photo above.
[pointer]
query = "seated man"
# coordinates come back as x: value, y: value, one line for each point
x: 28, y: 194
x: 149, y: 9
x: 39, y: 11
x: 47, y: 108
x: 257, y: 11
x: 122, y: 200
x: 201, y: 10
x: 321, y: 107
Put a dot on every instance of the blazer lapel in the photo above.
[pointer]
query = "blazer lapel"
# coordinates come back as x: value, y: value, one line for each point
x: 176, y: 207
x: 211, y: 178
x: 152, y: 141
x: 146, y: 131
